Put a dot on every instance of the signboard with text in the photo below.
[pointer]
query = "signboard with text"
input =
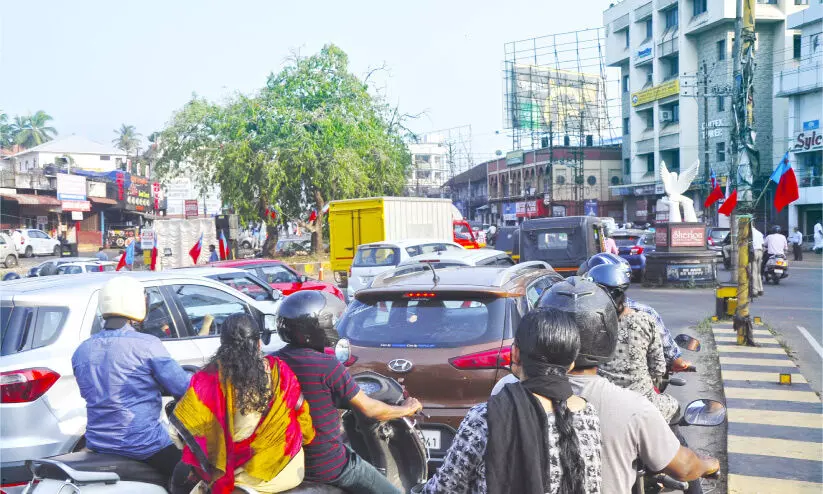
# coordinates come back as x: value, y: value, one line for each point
x: 509, y: 211
x: 138, y: 195
x: 76, y: 206
x: 689, y: 272
x: 590, y: 207
x: 666, y: 89
x: 688, y: 236
x: 147, y: 239
x: 661, y: 235
x: 190, y: 208
x: 71, y: 187
x: 808, y: 141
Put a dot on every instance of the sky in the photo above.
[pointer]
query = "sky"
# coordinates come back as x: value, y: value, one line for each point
x: 96, y: 64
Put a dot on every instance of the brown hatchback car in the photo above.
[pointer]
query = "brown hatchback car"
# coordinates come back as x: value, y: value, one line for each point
x: 445, y: 334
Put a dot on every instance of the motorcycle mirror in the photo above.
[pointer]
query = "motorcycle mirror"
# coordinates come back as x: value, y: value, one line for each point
x: 687, y: 342
x: 342, y: 350
x: 704, y: 412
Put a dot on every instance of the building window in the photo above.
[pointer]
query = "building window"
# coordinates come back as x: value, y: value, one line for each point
x: 699, y: 7
x: 649, y: 31
x: 627, y: 166
x: 625, y: 83
x: 650, y: 163
x: 591, y: 180
x: 674, y: 67
x: 561, y: 180
x: 627, y: 38
x: 801, y: 2
x: 104, y: 157
x: 626, y: 126
x: 796, y: 47
x: 721, y: 103
x: 720, y: 151
x: 721, y: 49
x: 676, y: 112
x: 671, y: 18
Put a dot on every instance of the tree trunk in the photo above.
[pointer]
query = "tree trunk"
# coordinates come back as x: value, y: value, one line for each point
x: 317, y: 235
x: 269, y: 247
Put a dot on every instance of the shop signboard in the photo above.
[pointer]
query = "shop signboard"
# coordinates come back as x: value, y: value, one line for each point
x: 138, y: 195
x: 688, y: 236
x: 514, y: 158
x: 558, y: 211
x: 509, y: 211
x: 147, y: 239
x: 808, y: 141
x: 77, y: 216
x: 76, y: 206
x: 71, y: 187
x: 811, y: 125
x: 190, y: 208
x: 42, y: 220
x: 661, y: 236
x: 526, y: 209
x: 590, y: 207
x: 664, y: 90
x: 689, y: 272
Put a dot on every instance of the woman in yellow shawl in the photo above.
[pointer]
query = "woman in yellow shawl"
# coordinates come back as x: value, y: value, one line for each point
x: 243, y: 420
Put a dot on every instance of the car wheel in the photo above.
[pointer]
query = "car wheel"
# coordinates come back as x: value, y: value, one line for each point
x: 29, y: 252
x: 120, y: 242
x: 11, y: 261
x: 56, y: 250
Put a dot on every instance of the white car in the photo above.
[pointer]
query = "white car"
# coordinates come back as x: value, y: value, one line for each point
x: 378, y: 257
x: 46, y: 318
x: 86, y: 267
x: 455, y: 258
x: 31, y: 242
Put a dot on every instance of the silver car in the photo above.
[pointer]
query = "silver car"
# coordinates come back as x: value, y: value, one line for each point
x: 44, y: 319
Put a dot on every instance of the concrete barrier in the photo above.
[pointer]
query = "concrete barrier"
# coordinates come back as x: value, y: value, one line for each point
x: 318, y: 270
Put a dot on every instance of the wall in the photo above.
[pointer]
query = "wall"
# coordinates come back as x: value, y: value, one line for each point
x: 85, y: 161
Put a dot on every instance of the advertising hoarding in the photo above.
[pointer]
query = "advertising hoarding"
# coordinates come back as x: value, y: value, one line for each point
x: 71, y: 187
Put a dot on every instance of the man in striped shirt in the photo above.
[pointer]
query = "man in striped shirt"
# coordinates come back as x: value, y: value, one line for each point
x: 306, y: 319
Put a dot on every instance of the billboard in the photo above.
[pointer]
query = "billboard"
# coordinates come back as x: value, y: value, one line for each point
x: 538, y: 95
x: 71, y: 187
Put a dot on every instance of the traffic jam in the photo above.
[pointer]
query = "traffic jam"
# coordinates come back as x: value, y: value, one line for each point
x: 423, y: 317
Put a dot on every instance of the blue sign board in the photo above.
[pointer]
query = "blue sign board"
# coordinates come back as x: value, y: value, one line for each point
x: 811, y: 125
x: 509, y: 211
x: 590, y: 207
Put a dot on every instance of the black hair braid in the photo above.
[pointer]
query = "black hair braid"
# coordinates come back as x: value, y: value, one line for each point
x: 571, y: 461
x: 241, y: 362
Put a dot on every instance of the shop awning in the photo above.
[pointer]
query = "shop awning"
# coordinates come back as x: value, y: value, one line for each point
x: 103, y: 200
x: 31, y: 199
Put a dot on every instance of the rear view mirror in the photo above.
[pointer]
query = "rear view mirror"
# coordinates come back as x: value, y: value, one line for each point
x: 269, y: 328
x: 303, y: 278
x: 704, y: 412
x: 276, y: 294
x: 342, y: 350
x: 687, y: 342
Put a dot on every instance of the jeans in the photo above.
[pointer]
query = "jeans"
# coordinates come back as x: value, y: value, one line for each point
x: 358, y: 476
x: 798, y: 252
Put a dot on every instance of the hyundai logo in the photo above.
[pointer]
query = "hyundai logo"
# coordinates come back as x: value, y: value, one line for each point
x: 400, y: 365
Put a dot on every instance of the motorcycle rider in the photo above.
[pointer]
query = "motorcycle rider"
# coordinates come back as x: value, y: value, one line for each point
x: 306, y: 323
x: 672, y: 352
x: 775, y: 245
x: 122, y: 374
x: 631, y: 427
x: 639, y: 362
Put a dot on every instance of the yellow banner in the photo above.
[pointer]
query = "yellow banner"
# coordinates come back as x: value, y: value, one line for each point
x: 668, y: 88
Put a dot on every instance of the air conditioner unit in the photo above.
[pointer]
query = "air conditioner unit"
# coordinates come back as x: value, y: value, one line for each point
x: 665, y: 116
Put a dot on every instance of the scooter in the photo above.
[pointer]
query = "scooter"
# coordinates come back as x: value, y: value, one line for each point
x: 396, y: 448
x: 777, y: 268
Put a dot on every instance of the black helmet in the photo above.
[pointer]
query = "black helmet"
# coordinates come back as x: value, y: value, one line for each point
x: 615, y: 278
x: 11, y: 276
x: 776, y: 229
x: 594, y: 312
x: 599, y: 260
x: 307, y: 319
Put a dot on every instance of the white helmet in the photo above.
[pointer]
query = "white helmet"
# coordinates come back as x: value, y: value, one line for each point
x: 123, y: 296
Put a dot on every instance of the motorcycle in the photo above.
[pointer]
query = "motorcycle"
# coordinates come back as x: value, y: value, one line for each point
x: 777, y: 268
x: 396, y: 448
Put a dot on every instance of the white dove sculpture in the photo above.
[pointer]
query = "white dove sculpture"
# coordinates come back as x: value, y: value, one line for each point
x: 675, y: 185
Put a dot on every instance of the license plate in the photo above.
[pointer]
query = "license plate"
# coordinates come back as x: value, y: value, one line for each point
x: 432, y: 439
x: 778, y: 271
x: 365, y: 280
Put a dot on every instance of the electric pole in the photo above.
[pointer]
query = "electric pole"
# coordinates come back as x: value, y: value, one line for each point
x: 550, y: 171
x: 706, y: 167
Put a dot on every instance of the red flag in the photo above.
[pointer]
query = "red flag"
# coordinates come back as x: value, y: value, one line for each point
x: 122, y: 262
x: 729, y: 205
x: 716, y: 195
x: 312, y: 215
x: 223, y: 247
x: 787, y: 191
x: 154, y: 254
x: 195, y: 251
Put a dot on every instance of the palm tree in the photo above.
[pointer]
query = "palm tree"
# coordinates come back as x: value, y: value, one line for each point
x: 127, y: 138
x: 33, y: 130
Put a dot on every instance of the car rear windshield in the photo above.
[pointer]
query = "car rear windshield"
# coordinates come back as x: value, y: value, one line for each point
x: 625, y: 241
x: 426, y: 323
x: 26, y: 328
x: 376, y: 256
x: 718, y: 234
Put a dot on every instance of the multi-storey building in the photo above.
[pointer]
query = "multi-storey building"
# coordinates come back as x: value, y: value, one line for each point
x: 675, y: 59
x: 430, y: 167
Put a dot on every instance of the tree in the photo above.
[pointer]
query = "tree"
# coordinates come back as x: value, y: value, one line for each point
x: 33, y: 130
x: 312, y: 135
x: 6, y: 131
x: 127, y: 138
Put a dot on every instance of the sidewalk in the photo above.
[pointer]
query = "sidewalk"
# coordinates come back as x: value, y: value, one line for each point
x: 775, y: 432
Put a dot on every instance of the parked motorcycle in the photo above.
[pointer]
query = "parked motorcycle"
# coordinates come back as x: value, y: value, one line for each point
x: 777, y: 268
x: 396, y: 448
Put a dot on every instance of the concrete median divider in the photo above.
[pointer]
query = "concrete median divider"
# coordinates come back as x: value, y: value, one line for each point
x: 317, y: 270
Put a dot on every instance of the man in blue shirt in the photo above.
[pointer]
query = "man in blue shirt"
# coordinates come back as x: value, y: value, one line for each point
x: 122, y: 374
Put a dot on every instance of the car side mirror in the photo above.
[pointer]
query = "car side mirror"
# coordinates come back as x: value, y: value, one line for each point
x: 687, y: 342
x: 276, y: 294
x: 704, y: 412
x: 303, y: 278
x: 342, y: 350
x: 269, y: 328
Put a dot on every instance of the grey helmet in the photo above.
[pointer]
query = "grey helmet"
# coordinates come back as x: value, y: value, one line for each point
x: 594, y: 312
x: 307, y: 319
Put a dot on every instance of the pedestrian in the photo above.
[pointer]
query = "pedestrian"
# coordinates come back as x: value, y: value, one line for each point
x: 756, y: 261
x: 101, y: 256
x: 796, y: 239
x: 609, y: 245
x: 213, y: 257
x: 818, y: 238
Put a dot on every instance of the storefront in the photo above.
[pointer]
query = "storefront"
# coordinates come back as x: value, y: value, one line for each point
x: 29, y: 211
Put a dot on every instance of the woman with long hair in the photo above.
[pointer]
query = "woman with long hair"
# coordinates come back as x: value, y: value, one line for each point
x: 535, y: 436
x: 243, y: 420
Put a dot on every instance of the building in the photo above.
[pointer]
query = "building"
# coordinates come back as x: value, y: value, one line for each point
x: 74, y: 151
x: 675, y: 59
x: 523, y: 185
x: 469, y: 193
x: 801, y: 83
x: 430, y: 167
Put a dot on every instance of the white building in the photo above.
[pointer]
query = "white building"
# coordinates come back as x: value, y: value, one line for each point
x: 430, y: 167
x: 801, y: 83
x: 70, y: 150
x: 664, y: 48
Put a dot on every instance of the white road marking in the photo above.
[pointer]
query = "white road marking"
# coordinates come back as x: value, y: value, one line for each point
x: 812, y: 341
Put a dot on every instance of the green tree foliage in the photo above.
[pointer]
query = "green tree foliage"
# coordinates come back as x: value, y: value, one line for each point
x: 128, y: 139
x: 32, y: 130
x: 313, y: 134
x: 6, y: 131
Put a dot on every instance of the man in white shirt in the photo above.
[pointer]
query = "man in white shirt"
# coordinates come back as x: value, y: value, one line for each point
x: 796, y: 239
x: 756, y: 262
x: 775, y: 245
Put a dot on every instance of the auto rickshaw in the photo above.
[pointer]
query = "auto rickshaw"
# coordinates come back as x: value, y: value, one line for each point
x: 564, y: 242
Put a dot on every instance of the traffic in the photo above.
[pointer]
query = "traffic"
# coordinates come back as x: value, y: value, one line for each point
x: 432, y: 354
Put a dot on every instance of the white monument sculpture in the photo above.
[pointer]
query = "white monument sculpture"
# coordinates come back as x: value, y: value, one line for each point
x: 675, y: 185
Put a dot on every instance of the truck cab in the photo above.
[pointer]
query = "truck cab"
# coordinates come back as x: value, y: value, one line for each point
x: 465, y: 236
x: 564, y: 243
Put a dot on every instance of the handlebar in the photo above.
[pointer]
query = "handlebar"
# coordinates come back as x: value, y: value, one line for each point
x: 670, y: 483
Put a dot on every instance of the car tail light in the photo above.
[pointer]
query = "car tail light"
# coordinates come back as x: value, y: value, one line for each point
x: 23, y: 386
x: 16, y: 484
x: 100, y: 268
x: 490, y: 359
x: 711, y: 241
x: 420, y: 295
x: 348, y: 363
x: 636, y: 250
